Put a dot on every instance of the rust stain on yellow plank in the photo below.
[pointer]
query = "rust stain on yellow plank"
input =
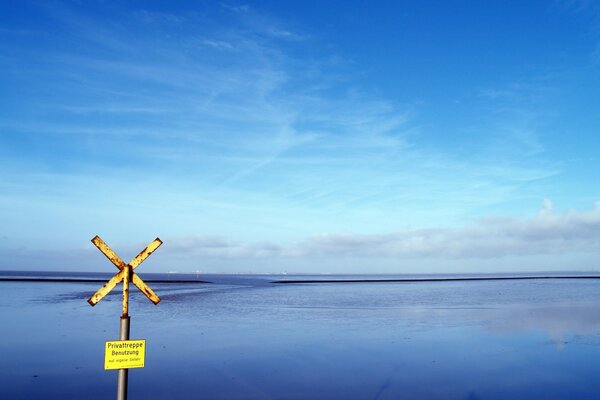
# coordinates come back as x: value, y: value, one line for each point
x: 108, y: 286
x: 126, y: 277
x: 137, y: 281
x: 137, y: 260
x: 107, y: 251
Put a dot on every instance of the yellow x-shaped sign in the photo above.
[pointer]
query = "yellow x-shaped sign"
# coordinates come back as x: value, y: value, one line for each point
x: 125, y: 273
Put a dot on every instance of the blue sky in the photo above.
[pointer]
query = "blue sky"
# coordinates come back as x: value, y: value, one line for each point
x: 358, y: 137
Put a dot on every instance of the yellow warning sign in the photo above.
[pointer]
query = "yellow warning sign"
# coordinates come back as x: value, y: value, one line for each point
x: 121, y: 354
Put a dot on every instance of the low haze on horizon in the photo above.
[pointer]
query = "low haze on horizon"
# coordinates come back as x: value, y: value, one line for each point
x: 305, y: 136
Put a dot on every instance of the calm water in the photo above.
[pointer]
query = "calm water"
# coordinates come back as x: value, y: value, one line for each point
x: 248, y: 339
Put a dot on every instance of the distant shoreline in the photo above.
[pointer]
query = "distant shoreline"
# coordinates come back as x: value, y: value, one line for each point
x: 312, y: 281
x: 478, y: 278
x: 391, y: 280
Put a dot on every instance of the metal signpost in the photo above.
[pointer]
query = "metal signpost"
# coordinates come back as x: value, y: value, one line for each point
x: 125, y: 353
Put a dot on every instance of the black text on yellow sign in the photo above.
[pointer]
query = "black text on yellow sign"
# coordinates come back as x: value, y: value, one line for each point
x: 121, y: 354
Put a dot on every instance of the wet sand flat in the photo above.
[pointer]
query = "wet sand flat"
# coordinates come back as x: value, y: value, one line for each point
x: 517, y: 339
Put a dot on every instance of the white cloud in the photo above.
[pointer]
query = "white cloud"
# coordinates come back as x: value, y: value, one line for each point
x: 491, y: 237
x: 236, y: 8
x: 157, y: 17
x: 218, y: 44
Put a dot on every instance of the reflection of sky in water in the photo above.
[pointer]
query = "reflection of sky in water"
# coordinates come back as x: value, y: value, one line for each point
x: 456, y: 340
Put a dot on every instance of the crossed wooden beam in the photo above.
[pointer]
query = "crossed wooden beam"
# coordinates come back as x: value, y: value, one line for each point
x: 125, y: 274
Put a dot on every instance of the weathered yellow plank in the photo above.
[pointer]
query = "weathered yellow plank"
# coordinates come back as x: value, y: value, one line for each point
x: 125, y: 274
x: 108, y: 286
x: 137, y: 260
x: 137, y: 281
x: 107, y: 251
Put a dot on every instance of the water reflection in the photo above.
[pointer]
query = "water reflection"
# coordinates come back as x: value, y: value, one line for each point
x: 483, y: 340
x: 559, y: 321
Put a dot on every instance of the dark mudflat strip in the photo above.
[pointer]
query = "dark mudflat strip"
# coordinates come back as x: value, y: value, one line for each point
x: 474, y: 278
x: 25, y: 279
x: 175, y: 281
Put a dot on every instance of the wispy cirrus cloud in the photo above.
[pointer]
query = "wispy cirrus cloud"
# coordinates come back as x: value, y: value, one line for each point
x: 233, y: 117
x: 158, y: 17
x: 218, y: 44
